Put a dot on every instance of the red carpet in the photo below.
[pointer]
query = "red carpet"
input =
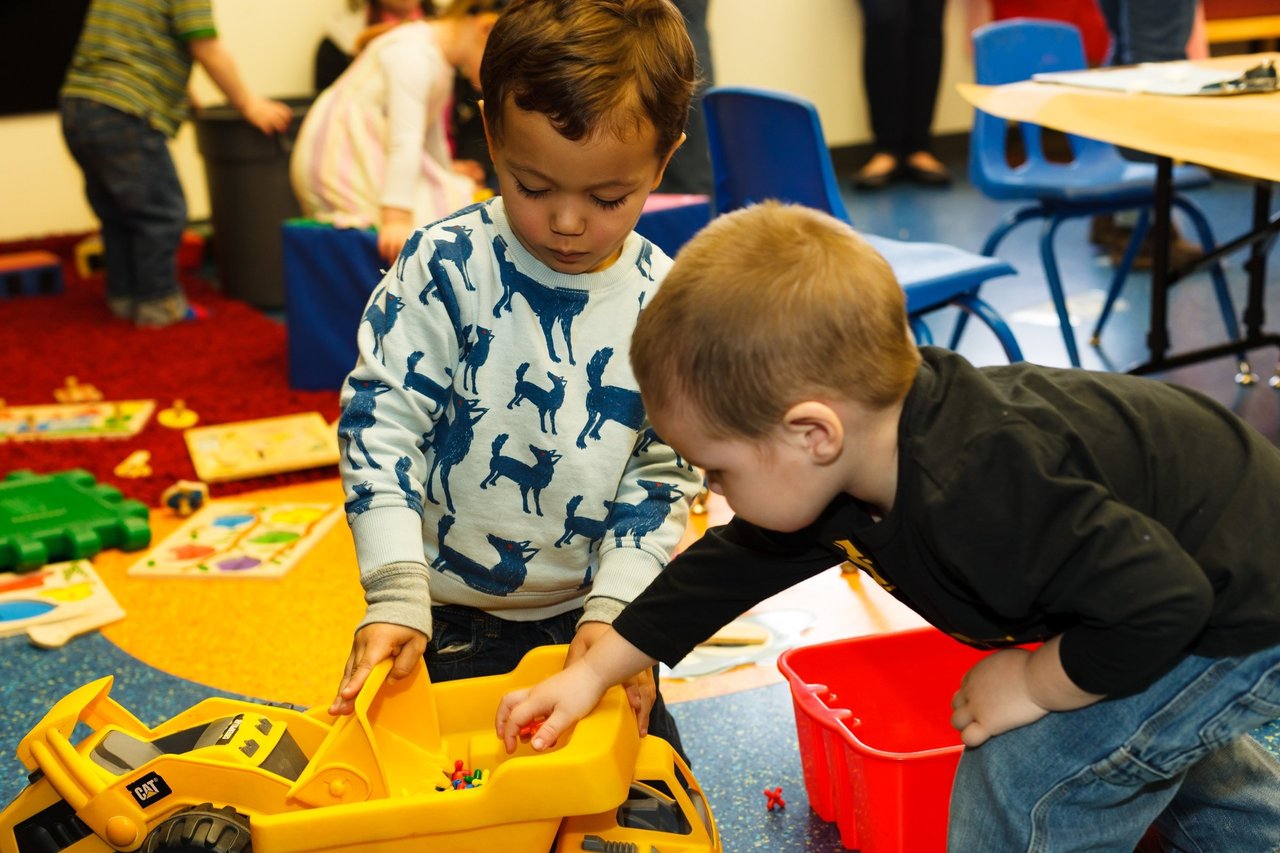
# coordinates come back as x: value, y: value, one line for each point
x: 230, y: 366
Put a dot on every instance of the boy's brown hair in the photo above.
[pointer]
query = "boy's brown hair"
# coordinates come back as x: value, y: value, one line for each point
x: 768, y: 306
x: 592, y: 65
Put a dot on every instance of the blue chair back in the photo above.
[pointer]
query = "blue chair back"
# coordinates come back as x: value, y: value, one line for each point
x: 768, y: 145
x: 1010, y: 51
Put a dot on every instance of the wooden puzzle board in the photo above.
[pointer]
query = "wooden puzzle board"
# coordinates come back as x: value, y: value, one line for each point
x: 230, y: 538
x: 104, y: 419
x: 55, y: 603
x: 258, y: 448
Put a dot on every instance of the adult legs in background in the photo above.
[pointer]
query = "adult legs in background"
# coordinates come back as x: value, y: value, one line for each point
x: 902, y: 65
x: 467, y: 643
x: 690, y: 168
x: 1144, y: 31
x: 1148, y: 30
x: 133, y: 188
x: 1178, y: 755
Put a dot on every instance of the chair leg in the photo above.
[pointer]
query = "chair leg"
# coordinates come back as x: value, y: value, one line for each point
x: 1050, y: 262
x: 1121, y: 275
x: 1009, y: 222
x: 924, y: 335
x: 971, y: 304
x: 1226, y: 307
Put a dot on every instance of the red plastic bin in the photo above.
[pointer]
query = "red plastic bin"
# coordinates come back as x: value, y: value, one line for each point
x: 876, y: 744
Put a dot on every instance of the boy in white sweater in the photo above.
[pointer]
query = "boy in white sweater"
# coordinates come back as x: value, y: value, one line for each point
x: 502, y: 494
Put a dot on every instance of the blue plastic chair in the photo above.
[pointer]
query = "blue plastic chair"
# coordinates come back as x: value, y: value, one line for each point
x: 770, y: 145
x: 1098, y: 180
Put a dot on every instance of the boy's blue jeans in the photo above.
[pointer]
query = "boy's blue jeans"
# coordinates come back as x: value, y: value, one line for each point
x: 1177, y: 755
x: 466, y: 643
x: 133, y: 188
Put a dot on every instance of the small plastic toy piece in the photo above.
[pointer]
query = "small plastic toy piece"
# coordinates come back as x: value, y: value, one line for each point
x: 73, y: 392
x: 185, y: 496
x: 177, y: 416
x: 529, y: 729
x: 774, y: 798
x: 135, y: 465
x: 65, y: 516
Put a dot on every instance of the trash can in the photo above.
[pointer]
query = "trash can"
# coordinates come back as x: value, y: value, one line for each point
x: 247, y: 173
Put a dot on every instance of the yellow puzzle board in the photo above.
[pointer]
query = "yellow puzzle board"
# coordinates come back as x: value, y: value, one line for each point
x: 103, y: 419
x: 237, y: 451
x: 55, y: 603
x: 242, y: 539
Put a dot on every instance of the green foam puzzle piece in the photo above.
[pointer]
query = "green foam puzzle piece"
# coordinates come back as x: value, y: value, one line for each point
x: 65, y: 516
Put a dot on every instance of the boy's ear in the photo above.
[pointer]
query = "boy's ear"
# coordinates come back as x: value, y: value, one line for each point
x: 815, y: 428
x: 666, y: 161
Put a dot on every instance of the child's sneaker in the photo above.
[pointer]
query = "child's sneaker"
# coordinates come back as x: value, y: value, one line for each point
x: 120, y: 307
x: 166, y: 311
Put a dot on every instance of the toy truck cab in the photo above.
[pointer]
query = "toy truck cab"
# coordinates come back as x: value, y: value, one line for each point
x: 234, y: 776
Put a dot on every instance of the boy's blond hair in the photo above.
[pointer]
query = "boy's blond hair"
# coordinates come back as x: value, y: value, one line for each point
x: 768, y: 306
x: 592, y: 66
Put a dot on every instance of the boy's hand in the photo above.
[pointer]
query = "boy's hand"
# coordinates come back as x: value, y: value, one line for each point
x: 642, y: 692
x: 994, y: 697
x: 266, y: 115
x: 374, y: 643
x: 1014, y: 687
x: 561, y: 700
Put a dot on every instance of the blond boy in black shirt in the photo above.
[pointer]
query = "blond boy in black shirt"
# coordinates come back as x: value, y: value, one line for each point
x: 1126, y: 524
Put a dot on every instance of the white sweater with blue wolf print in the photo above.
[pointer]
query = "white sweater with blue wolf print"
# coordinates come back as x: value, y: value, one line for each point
x: 494, y: 449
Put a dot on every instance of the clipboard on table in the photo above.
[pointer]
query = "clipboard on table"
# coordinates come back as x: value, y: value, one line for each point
x: 1169, y: 78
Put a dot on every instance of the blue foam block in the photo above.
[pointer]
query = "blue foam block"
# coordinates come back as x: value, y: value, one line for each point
x: 328, y: 276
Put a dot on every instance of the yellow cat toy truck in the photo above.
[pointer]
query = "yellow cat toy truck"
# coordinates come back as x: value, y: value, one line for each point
x: 416, y: 767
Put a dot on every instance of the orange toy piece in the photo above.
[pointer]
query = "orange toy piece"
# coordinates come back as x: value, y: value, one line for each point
x: 136, y: 465
x: 73, y: 392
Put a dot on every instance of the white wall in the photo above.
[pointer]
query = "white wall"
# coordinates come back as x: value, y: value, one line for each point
x: 810, y: 47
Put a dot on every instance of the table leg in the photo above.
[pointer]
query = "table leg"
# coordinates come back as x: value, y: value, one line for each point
x: 1161, y: 225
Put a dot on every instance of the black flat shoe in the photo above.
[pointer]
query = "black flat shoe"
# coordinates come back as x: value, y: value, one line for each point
x: 864, y: 180
x: 930, y: 177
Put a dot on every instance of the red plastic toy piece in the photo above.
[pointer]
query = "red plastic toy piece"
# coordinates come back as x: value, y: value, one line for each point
x: 774, y: 798
x: 528, y: 730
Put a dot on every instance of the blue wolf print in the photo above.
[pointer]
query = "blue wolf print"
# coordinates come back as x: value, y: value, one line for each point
x: 644, y: 260
x: 502, y: 579
x: 381, y: 319
x: 474, y: 355
x: 550, y: 305
x: 359, y: 501
x: 450, y: 442
x: 547, y: 400
x: 412, y: 496
x: 410, y: 247
x: 580, y: 525
x: 650, y: 437
x: 608, y: 402
x: 358, y: 416
x: 636, y: 520
x: 535, y: 477
x: 423, y: 384
x: 458, y: 250
x: 440, y: 286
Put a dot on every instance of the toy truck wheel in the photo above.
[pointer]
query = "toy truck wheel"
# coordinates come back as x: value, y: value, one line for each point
x: 201, y: 829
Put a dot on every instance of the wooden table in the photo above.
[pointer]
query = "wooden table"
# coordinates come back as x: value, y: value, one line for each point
x: 1238, y: 134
